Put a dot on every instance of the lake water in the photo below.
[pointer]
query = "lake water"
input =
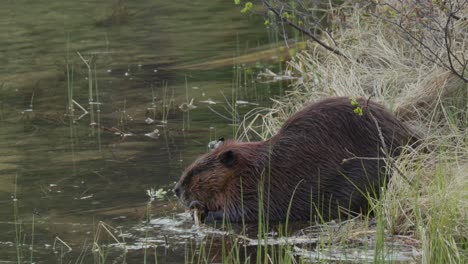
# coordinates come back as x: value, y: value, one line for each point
x: 80, y: 147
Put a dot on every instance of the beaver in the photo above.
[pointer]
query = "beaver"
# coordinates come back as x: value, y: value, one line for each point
x: 325, y: 162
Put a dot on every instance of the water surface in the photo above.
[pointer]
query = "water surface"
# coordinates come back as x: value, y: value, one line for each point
x: 63, y: 172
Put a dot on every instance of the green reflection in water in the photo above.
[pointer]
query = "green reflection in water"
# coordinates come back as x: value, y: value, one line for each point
x: 70, y: 175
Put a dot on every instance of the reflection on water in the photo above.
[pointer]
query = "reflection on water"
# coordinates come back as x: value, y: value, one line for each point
x: 64, y: 171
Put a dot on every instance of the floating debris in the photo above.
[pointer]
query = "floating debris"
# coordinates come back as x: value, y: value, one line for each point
x: 149, y: 121
x: 215, y: 143
x: 187, y: 106
x: 119, y: 132
x: 86, y: 197
x: 7, y: 243
x: 241, y: 102
x: 209, y: 101
x: 155, y: 134
x: 269, y: 76
x: 124, y: 135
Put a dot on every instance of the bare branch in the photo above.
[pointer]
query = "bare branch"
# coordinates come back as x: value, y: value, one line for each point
x: 279, y: 14
x: 429, y: 28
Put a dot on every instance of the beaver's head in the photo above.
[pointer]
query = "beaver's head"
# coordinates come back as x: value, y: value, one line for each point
x: 211, y: 183
x: 204, y: 183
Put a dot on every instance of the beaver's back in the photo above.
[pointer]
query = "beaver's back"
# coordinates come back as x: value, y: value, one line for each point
x: 329, y: 154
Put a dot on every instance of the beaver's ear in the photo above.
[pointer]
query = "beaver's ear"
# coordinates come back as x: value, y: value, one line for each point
x: 228, y: 158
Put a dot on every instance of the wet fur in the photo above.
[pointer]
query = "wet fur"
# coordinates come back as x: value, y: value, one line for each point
x: 306, y: 158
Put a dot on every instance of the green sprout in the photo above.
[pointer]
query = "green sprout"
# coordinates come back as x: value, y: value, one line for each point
x: 247, y: 7
x: 357, y: 107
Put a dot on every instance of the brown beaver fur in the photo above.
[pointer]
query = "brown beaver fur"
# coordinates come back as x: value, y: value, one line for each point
x: 326, y: 161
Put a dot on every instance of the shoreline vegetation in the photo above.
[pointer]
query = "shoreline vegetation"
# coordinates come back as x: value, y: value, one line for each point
x: 411, y: 57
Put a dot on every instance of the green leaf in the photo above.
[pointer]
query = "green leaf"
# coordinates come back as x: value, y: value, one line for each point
x: 247, y: 7
x: 358, y: 111
x: 357, y: 107
x: 354, y: 102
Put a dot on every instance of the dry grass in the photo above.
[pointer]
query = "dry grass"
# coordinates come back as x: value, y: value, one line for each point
x: 433, y: 206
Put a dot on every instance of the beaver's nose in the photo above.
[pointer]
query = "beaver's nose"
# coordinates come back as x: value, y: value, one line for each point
x: 177, y: 190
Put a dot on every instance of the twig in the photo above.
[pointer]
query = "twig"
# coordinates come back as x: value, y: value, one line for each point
x: 62, y: 242
x: 384, y: 149
x: 304, y: 31
x: 448, y: 46
x: 285, y: 37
